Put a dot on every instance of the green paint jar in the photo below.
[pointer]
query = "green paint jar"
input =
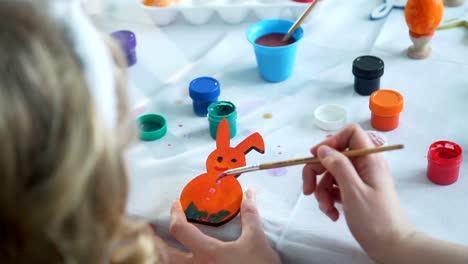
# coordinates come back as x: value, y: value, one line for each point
x: 152, y: 127
x: 217, y: 111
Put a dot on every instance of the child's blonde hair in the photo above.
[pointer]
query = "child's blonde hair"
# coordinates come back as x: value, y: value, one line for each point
x: 63, y: 184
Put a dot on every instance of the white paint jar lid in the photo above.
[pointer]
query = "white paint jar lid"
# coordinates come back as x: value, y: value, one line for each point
x: 330, y: 117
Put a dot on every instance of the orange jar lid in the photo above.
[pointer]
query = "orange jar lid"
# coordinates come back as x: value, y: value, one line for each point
x: 386, y: 102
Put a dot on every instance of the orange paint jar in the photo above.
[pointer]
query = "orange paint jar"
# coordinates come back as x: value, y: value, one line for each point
x: 386, y: 106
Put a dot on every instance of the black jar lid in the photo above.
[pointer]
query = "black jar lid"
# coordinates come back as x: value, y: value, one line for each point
x: 368, y: 67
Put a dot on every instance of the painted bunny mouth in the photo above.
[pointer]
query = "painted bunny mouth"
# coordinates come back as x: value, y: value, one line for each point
x: 221, y: 168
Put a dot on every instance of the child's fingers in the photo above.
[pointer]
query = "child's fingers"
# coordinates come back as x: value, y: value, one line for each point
x: 352, y: 137
x: 251, y: 224
x: 325, y: 198
x: 342, y: 170
x: 186, y: 233
x: 336, y: 194
x: 176, y: 256
x: 309, y: 177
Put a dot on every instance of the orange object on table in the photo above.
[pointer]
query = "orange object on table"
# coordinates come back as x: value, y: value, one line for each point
x: 423, y: 16
x: 159, y: 3
x: 209, y: 201
x: 386, y: 106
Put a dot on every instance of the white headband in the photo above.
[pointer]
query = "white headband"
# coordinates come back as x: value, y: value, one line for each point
x: 93, y: 54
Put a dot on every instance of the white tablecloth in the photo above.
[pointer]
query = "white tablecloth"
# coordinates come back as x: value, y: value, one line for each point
x: 435, y: 91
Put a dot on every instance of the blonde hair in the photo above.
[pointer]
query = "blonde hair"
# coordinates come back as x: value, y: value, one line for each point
x: 63, y: 183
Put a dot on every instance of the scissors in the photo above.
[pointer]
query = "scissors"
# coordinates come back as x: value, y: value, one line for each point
x: 455, y: 22
x: 384, y: 9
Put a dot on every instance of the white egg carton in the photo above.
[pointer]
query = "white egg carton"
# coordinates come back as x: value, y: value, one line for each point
x: 199, y: 12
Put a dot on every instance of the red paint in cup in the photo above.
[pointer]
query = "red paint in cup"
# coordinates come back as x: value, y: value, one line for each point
x: 444, y: 159
x: 274, y: 40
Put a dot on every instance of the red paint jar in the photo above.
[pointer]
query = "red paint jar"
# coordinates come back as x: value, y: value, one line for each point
x: 444, y: 159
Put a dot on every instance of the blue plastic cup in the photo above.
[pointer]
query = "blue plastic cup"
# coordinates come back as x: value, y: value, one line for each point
x: 275, y: 64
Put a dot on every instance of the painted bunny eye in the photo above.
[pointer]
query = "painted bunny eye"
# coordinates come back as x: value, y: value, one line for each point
x: 220, y: 159
x: 234, y: 160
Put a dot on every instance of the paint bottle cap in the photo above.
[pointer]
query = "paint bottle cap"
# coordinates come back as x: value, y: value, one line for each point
x: 368, y: 67
x: 445, y: 153
x: 330, y: 117
x: 444, y: 160
x: 386, y: 103
x: 152, y: 127
x: 127, y: 41
x: 204, y: 89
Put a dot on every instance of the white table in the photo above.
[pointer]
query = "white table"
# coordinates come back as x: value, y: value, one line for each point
x: 435, y: 91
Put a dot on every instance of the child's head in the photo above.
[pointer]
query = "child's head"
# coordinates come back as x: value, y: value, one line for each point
x: 63, y: 184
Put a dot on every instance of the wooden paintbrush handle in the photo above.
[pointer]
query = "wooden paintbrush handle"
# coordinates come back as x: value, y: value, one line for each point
x: 314, y: 160
x: 299, y: 21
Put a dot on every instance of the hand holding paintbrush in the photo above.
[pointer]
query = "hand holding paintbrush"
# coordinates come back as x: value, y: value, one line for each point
x: 308, y: 160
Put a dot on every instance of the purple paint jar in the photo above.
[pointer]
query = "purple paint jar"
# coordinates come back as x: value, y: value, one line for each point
x: 127, y: 41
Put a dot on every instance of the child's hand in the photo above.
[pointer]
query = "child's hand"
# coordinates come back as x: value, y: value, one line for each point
x: 364, y: 186
x: 251, y: 247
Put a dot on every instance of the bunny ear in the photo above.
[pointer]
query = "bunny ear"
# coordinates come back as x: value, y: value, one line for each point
x: 222, y: 135
x: 254, y: 141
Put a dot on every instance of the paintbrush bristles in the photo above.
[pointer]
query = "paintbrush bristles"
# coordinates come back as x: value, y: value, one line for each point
x: 238, y: 171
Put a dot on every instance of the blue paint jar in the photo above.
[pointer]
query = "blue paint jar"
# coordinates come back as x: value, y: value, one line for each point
x: 204, y: 91
x: 367, y: 71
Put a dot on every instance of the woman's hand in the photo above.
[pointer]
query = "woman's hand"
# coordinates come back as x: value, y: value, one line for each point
x: 364, y: 186
x: 251, y: 247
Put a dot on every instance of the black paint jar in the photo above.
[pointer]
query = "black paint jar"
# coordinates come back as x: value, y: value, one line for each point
x: 367, y: 71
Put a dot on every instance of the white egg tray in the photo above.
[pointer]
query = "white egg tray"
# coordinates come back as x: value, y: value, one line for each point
x: 199, y: 12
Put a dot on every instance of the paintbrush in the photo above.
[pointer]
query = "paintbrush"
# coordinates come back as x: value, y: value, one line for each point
x: 299, y: 21
x: 308, y: 160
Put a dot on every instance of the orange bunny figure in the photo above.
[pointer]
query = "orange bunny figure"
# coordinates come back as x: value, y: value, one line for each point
x: 208, y: 201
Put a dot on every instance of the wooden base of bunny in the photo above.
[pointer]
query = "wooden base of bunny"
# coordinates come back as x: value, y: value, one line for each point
x: 420, y: 49
x: 453, y: 3
x: 213, y: 224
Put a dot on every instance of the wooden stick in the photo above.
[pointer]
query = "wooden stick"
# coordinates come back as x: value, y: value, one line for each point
x: 299, y: 21
x: 308, y: 160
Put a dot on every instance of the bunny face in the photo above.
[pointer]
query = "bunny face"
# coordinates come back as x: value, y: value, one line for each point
x: 225, y: 157
x: 221, y: 160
